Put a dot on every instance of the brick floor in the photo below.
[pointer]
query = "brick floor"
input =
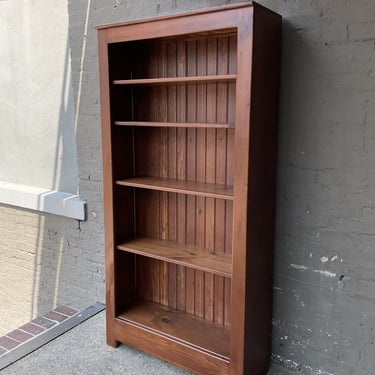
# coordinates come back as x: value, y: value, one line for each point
x: 19, y: 335
x: 55, y: 316
x: 34, y: 328
x: 66, y: 310
x: 8, y: 343
x: 46, y: 323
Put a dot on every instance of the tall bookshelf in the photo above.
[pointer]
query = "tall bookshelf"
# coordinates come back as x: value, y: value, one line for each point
x: 189, y: 114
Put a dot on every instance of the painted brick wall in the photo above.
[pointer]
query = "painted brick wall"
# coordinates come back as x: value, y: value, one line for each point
x: 324, y: 284
x: 324, y: 315
x: 324, y: 311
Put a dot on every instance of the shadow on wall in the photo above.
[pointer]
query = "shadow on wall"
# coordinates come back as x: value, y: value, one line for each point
x: 323, y: 175
x: 303, y: 163
x: 51, y: 237
x: 65, y: 264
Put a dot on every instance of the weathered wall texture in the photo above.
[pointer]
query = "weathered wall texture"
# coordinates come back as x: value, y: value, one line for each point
x: 324, y: 312
x: 324, y: 284
x: 324, y: 316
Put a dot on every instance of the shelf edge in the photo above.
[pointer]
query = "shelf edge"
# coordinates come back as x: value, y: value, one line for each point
x: 174, y: 124
x: 177, y: 80
x: 179, y: 258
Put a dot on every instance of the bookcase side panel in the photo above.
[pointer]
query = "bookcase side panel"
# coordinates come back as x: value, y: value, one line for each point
x: 240, y: 204
x: 263, y: 139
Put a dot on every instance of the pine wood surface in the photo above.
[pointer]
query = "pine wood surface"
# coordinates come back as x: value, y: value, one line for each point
x: 189, y: 114
x: 180, y: 186
x: 177, y: 80
x: 188, y: 329
x: 182, y: 254
x: 175, y: 124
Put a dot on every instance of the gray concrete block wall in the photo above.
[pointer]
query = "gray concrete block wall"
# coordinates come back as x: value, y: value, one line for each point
x: 324, y: 301
x: 324, y: 305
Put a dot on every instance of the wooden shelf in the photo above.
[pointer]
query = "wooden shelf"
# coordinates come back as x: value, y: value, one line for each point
x: 206, y: 306
x: 177, y: 80
x: 180, y: 186
x: 174, y: 124
x: 185, y: 255
x: 179, y: 326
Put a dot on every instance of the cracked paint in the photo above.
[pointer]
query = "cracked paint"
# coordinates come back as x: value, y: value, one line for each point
x: 325, y: 273
x: 301, y: 267
x: 301, y: 368
x: 298, y: 267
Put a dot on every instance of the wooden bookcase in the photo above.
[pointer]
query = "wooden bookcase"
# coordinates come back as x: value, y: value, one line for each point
x: 189, y: 114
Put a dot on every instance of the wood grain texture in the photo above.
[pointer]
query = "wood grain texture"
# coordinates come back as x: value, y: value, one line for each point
x: 180, y: 186
x: 180, y: 80
x: 170, y: 349
x: 182, y: 254
x: 174, y: 124
x: 198, y: 12
x: 189, y: 113
x: 182, y: 327
x: 191, y: 162
x: 261, y: 187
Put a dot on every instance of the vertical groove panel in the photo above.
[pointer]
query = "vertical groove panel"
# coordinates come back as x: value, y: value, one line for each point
x: 193, y: 154
x: 172, y: 162
x: 221, y: 142
x: 181, y: 170
x: 232, y: 85
x: 232, y: 62
x: 201, y: 174
x: 163, y: 116
x: 191, y: 116
x: 156, y: 268
x: 210, y: 173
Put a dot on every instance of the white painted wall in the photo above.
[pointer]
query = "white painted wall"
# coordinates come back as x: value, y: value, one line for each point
x: 37, y: 132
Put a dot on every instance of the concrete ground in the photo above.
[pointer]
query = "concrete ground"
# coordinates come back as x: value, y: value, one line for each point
x: 83, y: 350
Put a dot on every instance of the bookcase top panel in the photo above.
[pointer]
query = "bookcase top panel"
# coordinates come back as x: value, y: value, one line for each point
x: 226, y: 19
x: 178, y: 15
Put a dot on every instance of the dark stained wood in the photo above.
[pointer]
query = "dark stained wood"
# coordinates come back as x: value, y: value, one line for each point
x: 186, y: 255
x: 189, y: 114
x: 192, y: 331
x: 240, y: 203
x: 187, y: 356
x: 181, y: 170
x: 232, y: 66
x: 261, y: 187
x: 180, y: 80
x: 162, y: 108
x: 174, y: 124
x: 211, y: 59
x: 215, y: 24
x: 172, y: 167
x: 220, y: 176
x: 180, y: 15
x: 180, y: 186
x: 201, y: 109
x: 191, y: 163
